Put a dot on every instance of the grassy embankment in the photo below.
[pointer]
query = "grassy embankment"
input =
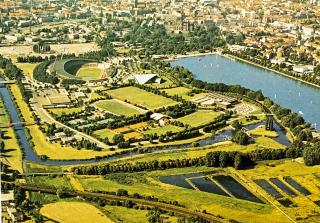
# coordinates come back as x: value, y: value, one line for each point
x: 12, y: 155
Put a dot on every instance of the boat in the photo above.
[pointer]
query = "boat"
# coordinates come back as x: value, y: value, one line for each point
x: 300, y: 112
x: 275, y: 95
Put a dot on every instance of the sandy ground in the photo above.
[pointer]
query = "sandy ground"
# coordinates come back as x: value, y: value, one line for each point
x: 77, y: 48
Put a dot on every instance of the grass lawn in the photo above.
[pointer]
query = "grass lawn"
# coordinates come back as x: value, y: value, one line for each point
x: 57, y: 181
x: 141, y: 97
x: 27, y: 68
x: 122, y: 214
x: 199, y: 118
x: 163, y: 130
x: 41, y: 145
x: 74, y: 212
x: 261, y: 131
x: 103, y: 133
x: 183, y: 92
x: 89, y: 73
x: 118, y: 108
x: 148, y: 184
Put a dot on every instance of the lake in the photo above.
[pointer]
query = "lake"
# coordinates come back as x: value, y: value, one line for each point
x: 289, y: 93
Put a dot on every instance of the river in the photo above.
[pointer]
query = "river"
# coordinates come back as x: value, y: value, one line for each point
x: 287, y: 92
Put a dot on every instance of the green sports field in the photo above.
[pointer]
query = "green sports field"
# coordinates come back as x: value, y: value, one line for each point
x: 199, y: 118
x: 89, y: 73
x: 138, y: 96
x: 118, y: 108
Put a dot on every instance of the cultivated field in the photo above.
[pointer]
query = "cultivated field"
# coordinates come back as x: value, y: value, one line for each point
x: 118, y: 107
x: 73, y: 212
x: 138, y: 96
x: 105, y: 133
x: 199, y: 118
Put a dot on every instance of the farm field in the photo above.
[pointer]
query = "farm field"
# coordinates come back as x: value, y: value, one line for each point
x: 73, y: 212
x: 122, y: 214
x: 138, y: 96
x: 148, y: 184
x: 199, y: 118
x: 118, y: 108
x: 54, y: 181
x: 89, y: 73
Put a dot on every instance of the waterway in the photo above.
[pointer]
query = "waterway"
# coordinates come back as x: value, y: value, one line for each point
x: 287, y: 92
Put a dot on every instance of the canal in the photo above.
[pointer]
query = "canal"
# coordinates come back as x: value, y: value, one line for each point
x: 287, y: 92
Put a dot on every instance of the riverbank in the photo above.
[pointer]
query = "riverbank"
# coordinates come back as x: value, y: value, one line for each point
x: 232, y: 57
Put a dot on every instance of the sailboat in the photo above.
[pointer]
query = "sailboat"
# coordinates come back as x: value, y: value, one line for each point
x: 275, y: 95
x: 299, y: 94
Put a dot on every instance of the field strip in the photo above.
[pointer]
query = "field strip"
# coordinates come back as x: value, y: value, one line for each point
x: 75, y: 183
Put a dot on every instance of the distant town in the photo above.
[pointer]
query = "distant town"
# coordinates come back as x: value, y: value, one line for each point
x: 160, y: 111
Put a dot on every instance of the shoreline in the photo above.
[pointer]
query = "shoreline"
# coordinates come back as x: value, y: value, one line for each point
x: 231, y: 57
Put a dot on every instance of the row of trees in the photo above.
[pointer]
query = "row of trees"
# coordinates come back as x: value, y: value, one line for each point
x: 40, y: 74
x: 234, y: 159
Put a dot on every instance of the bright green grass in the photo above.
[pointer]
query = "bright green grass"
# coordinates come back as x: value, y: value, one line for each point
x: 141, y: 97
x: 104, y: 133
x: 122, y: 214
x: 183, y: 92
x: 163, y: 130
x: 57, y: 181
x: 89, y: 73
x: 199, y: 118
x: 118, y: 108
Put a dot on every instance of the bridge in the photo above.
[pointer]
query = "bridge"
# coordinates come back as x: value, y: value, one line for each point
x: 7, y: 82
x: 7, y: 125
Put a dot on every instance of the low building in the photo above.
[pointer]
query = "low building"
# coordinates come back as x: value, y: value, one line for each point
x: 303, y: 69
x: 162, y: 119
x: 148, y: 79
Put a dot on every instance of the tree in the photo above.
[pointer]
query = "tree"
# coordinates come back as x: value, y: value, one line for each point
x: 311, y: 155
x: 241, y: 138
x: 118, y: 138
x: 238, y: 161
x: 154, y: 216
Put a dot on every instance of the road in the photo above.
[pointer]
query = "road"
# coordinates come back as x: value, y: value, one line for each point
x: 168, y: 207
x: 90, y: 138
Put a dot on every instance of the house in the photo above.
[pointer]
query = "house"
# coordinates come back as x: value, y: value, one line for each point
x: 162, y: 119
x: 148, y: 78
